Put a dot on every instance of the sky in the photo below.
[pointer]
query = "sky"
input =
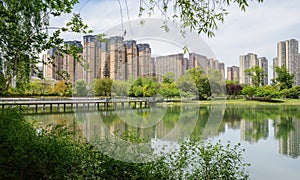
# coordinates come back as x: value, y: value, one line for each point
x: 255, y: 31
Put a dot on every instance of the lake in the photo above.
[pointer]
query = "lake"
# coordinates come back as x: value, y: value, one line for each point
x: 270, y: 135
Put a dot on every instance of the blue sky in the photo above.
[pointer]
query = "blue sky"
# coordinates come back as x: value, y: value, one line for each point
x: 257, y: 30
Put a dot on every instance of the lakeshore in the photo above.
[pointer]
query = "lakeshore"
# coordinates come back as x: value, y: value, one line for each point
x: 240, y: 102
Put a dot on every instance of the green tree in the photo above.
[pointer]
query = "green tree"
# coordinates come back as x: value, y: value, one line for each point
x: 169, y: 78
x: 285, y: 126
x: 256, y: 75
x: 106, y: 70
x: 169, y: 90
x: 249, y: 91
x: 120, y: 88
x: 201, y: 81
x: 267, y: 92
x: 201, y: 16
x: 80, y: 88
x: 144, y: 87
x: 24, y: 35
x: 284, y: 79
x: 103, y: 87
x: 293, y: 92
x: 187, y: 86
x: 62, y: 88
x: 216, y: 81
x: 37, y: 87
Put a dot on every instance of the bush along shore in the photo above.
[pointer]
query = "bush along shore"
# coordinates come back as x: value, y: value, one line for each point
x: 30, y: 153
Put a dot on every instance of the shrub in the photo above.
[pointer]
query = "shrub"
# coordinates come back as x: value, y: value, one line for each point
x: 196, y: 160
x: 26, y: 153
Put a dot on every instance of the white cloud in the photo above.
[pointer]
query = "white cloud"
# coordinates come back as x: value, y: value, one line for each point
x: 257, y: 30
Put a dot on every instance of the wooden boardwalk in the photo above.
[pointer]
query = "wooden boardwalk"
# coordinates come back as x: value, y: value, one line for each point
x: 36, y: 105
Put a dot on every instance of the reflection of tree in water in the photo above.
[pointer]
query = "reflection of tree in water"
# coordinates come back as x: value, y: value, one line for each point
x: 200, y: 125
x: 284, y: 127
x: 232, y: 118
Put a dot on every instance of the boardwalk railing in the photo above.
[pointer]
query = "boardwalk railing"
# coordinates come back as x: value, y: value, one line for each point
x: 70, y: 104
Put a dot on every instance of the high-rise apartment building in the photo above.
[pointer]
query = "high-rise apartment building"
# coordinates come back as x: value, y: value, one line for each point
x: 287, y: 54
x: 92, y: 56
x: 145, y: 62
x: 138, y: 60
x: 246, y: 62
x: 233, y: 73
x: 275, y: 63
x: 171, y: 63
x: 263, y: 63
x: 71, y: 65
x: 221, y: 69
x: 59, y: 66
x: 53, y: 65
x: 117, y: 58
x: 197, y: 60
x: 251, y: 60
x: 131, y: 59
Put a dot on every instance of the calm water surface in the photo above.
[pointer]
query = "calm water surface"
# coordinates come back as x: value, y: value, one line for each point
x: 269, y: 134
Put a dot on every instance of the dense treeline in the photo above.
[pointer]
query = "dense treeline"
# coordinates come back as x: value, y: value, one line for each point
x: 195, y: 84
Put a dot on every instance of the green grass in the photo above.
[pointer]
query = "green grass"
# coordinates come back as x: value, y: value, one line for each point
x: 242, y: 102
x: 279, y: 102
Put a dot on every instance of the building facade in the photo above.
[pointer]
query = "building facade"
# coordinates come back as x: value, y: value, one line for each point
x: 288, y: 54
x: 250, y: 60
x: 145, y: 62
x: 171, y: 63
x: 62, y: 66
x: 263, y: 63
x: 233, y: 73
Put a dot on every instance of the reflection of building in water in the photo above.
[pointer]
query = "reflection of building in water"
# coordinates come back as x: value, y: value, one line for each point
x: 252, y: 131
x: 290, y: 143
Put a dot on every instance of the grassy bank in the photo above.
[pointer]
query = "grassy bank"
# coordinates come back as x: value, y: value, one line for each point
x: 240, y: 102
